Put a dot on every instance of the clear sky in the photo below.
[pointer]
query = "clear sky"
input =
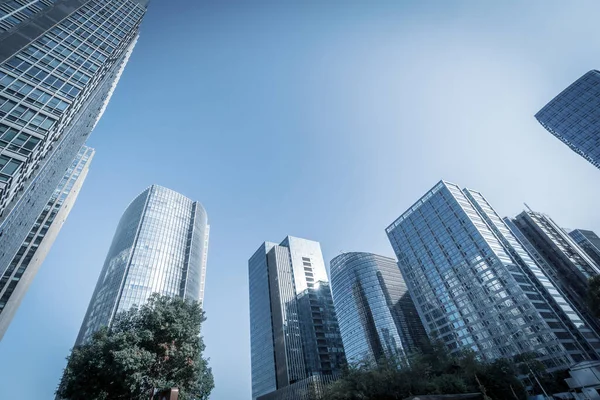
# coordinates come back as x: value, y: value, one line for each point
x: 323, y: 120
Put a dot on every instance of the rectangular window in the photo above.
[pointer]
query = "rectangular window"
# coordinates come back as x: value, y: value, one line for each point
x: 11, y: 167
x: 6, y: 105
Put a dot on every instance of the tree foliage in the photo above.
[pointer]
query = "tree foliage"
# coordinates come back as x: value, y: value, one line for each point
x: 156, y: 346
x: 593, y: 295
x: 432, y: 371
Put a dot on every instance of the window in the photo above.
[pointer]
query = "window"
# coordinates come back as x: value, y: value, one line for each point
x: 8, y: 166
x: 6, y: 105
x: 18, y: 64
x: 7, y: 133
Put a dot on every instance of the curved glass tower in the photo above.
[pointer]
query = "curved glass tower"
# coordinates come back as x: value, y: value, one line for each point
x: 160, y: 246
x: 376, y: 315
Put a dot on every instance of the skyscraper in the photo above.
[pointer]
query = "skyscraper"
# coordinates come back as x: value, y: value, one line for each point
x: 567, y: 323
x: 59, y: 63
x: 160, y: 246
x: 295, y: 339
x: 377, y: 317
x: 589, y: 242
x: 24, y: 266
x: 574, y: 117
x: 565, y: 262
x: 469, y: 289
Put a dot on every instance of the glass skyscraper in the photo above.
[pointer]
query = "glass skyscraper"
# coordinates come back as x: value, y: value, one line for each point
x: 295, y: 338
x: 576, y: 336
x: 574, y: 117
x: 24, y: 266
x: 471, y: 290
x: 160, y: 246
x: 561, y: 258
x: 376, y: 314
x: 59, y: 63
x: 589, y: 242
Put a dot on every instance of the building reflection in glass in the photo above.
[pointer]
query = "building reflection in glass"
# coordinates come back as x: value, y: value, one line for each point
x: 376, y: 314
x: 160, y: 246
x: 471, y: 291
x: 295, y: 337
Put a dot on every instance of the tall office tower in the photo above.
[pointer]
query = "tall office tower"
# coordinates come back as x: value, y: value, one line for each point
x: 560, y: 257
x: 468, y: 288
x: 377, y: 316
x: 160, y: 246
x: 24, y: 266
x: 59, y: 63
x: 295, y: 339
x: 574, y: 117
x: 567, y: 323
x: 589, y: 242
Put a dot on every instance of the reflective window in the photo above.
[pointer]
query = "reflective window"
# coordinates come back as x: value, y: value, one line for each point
x: 160, y: 246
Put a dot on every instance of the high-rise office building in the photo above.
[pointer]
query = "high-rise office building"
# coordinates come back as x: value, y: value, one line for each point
x: 24, y: 266
x: 470, y: 290
x: 574, y: 117
x: 561, y: 258
x: 589, y: 242
x: 160, y: 246
x: 577, y: 337
x: 59, y: 63
x: 295, y: 339
x: 377, y: 316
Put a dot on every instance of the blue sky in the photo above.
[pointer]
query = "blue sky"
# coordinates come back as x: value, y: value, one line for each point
x: 323, y: 120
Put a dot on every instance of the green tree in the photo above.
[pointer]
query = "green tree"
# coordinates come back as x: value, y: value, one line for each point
x: 434, y: 370
x: 156, y: 346
x: 593, y: 295
x: 538, y: 377
x: 500, y: 380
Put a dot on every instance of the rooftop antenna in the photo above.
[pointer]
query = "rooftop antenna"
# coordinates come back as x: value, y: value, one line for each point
x: 529, y: 208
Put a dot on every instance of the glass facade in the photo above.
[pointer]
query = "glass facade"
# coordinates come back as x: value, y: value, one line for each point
x: 261, y: 326
x: 376, y: 314
x: 24, y: 266
x: 589, y: 242
x: 160, y: 246
x: 15, y: 12
x: 59, y: 63
x: 468, y: 288
x: 558, y: 254
x: 567, y: 324
x: 311, y: 388
x: 574, y: 117
x: 293, y: 325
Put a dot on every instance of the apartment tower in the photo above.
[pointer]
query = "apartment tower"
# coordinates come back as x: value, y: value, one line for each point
x: 60, y: 61
x: 474, y: 285
x: 30, y: 256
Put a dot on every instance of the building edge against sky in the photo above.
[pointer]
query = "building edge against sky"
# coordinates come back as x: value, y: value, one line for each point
x: 469, y: 290
x: 567, y: 321
x: 573, y: 117
x: 563, y: 261
x: 33, y: 251
x: 57, y: 75
x: 294, y: 332
x: 376, y: 314
x: 589, y: 242
x: 160, y: 246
